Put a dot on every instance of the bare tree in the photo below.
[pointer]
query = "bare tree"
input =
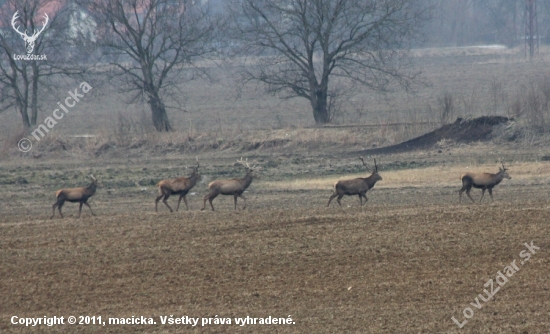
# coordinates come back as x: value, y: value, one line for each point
x: 152, y: 47
x: 35, y: 53
x: 305, y: 43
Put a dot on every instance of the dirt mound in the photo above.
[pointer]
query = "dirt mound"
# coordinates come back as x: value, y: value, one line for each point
x: 462, y: 130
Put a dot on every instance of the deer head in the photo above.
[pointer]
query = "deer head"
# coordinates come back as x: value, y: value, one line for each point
x: 503, y: 170
x: 374, y: 177
x: 249, y: 169
x: 196, y: 169
x: 29, y: 40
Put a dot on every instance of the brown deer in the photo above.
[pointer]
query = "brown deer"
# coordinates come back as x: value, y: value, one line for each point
x: 483, y: 181
x: 73, y: 195
x: 234, y: 187
x: 358, y: 186
x: 179, y: 186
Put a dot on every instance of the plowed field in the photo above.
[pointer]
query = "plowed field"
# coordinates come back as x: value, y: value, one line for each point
x: 409, y: 262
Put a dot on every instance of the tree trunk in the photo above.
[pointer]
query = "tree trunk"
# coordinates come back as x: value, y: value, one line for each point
x: 34, y: 96
x: 24, y: 100
x: 160, y: 118
x: 24, y: 115
x: 318, y: 101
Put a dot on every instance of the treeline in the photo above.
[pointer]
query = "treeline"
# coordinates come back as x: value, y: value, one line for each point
x: 468, y: 22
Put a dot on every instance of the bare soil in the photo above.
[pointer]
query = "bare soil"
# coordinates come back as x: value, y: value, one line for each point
x: 461, y: 131
x: 412, y: 259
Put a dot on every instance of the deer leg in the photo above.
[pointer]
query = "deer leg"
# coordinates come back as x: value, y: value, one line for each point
x: 88, y: 205
x: 482, y: 193
x: 59, y: 208
x: 157, y: 201
x: 210, y: 199
x: 360, y: 199
x: 466, y: 186
x: 80, y: 209
x: 179, y: 202
x: 468, y: 193
x: 58, y: 205
x: 204, y: 202
x: 185, y: 201
x: 244, y: 198
x: 365, y: 196
x: 166, y: 203
x: 235, y: 200
x: 339, y: 198
x: 491, y: 193
x: 53, y: 210
x: 331, y: 198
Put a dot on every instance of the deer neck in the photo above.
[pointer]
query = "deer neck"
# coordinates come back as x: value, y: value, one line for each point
x: 193, y: 178
x: 246, y: 180
x: 371, y: 180
x: 91, y: 188
x: 498, y: 178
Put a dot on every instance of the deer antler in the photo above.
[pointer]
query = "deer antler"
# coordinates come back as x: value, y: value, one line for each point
x: 242, y: 162
x: 92, y: 177
x: 198, y: 165
x: 502, y: 163
x: 15, y: 17
x: 364, y: 164
x: 245, y: 164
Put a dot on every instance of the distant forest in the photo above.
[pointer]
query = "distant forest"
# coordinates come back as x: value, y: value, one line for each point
x: 467, y: 22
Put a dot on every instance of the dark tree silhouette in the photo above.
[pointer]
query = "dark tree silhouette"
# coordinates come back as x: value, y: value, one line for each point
x: 152, y: 45
x: 303, y: 44
x: 34, y: 47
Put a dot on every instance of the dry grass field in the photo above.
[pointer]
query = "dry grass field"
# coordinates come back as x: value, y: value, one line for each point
x: 412, y: 259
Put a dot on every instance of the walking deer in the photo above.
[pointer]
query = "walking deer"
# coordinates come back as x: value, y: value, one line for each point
x: 179, y: 186
x: 234, y: 187
x: 483, y: 181
x: 358, y: 186
x: 73, y: 195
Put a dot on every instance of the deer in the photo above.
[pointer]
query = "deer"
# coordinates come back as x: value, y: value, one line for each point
x: 358, y: 186
x: 483, y: 181
x: 73, y: 195
x: 178, y: 186
x: 234, y: 187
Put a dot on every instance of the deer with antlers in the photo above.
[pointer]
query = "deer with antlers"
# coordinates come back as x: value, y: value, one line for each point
x: 234, y: 187
x: 73, y: 195
x: 483, y: 181
x: 29, y: 40
x: 179, y: 186
x: 358, y: 186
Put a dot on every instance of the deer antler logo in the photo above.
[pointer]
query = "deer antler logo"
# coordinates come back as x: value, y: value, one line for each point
x: 29, y: 40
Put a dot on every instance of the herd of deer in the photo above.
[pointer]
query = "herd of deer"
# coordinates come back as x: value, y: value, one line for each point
x: 235, y: 187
